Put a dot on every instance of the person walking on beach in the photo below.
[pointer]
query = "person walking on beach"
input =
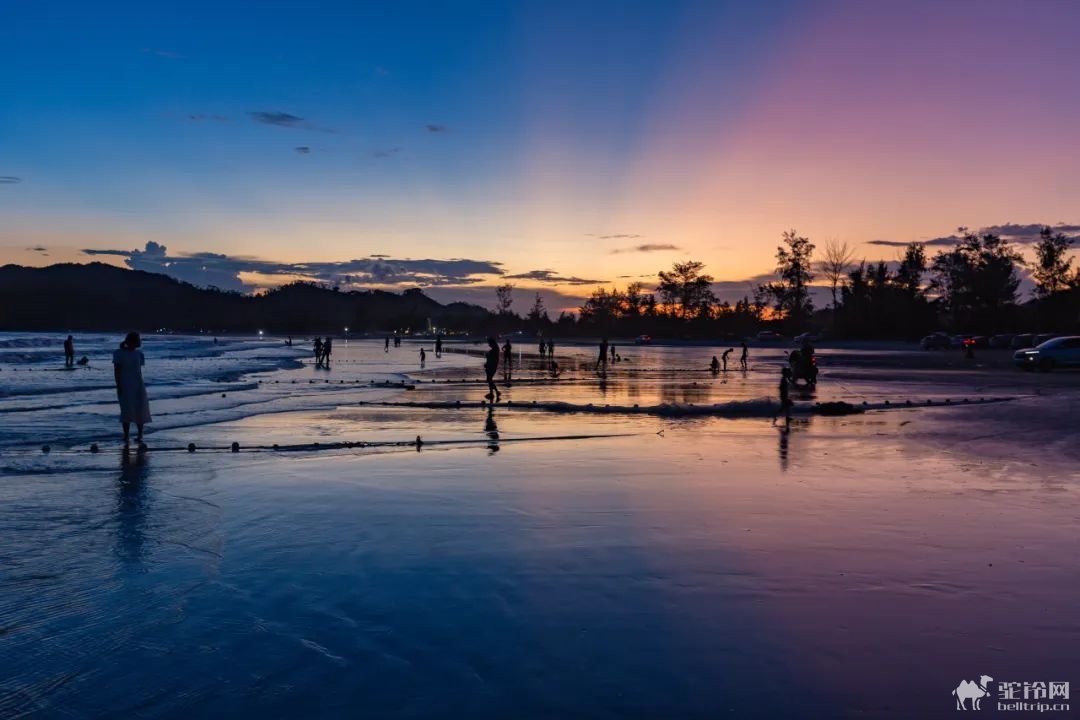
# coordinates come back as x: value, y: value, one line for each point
x: 723, y: 357
x: 423, y: 357
x: 438, y: 346
x: 327, y: 348
x: 318, y: 351
x: 491, y: 365
x: 785, y: 397
x: 742, y: 358
x: 128, y: 362
x: 386, y: 345
x: 69, y: 352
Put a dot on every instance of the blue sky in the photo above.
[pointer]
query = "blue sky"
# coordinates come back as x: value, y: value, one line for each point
x: 525, y: 136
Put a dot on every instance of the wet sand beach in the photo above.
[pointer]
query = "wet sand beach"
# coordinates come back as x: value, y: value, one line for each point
x: 523, y: 562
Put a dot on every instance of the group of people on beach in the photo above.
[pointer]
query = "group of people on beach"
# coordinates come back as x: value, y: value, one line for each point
x: 128, y: 361
x: 716, y: 366
x: 323, y: 348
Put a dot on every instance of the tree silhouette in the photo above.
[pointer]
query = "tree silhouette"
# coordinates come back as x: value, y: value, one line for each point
x: 836, y: 263
x: 1052, y: 269
x: 686, y: 290
x: 977, y: 280
x: 504, y: 298
x: 791, y: 292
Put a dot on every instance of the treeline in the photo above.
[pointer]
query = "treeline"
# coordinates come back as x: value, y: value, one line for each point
x: 96, y: 296
x: 971, y: 287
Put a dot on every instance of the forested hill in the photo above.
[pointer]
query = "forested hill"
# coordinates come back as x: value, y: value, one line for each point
x: 97, y: 296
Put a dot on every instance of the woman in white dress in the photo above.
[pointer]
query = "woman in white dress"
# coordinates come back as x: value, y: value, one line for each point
x: 130, y: 388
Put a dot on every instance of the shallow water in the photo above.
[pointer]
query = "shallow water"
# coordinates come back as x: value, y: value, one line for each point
x: 856, y: 566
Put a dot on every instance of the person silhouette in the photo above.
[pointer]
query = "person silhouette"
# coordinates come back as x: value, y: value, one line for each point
x: 438, y: 346
x: 724, y: 355
x: 508, y: 358
x: 318, y: 346
x: 491, y: 365
x: 423, y: 357
x: 128, y: 363
x: 551, y: 348
x: 69, y: 352
x: 543, y: 348
x: 744, y: 356
x: 602, y: 360
x: 327, y: 348
x: 785, y: 396
x: 714, y: 366
x: 386, y: 345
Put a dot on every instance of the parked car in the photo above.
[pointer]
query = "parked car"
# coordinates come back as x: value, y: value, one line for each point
x: 1023, y: 340
x: 806, y: 337
x: 1040, y: 339
x: 769, y: 336
x: 1059, y: 352
x: 1001, y: 341
x: 979, y: 341
x: 935, y: 341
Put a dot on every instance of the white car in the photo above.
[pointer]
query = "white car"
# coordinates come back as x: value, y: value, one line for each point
x: 1060, y: 352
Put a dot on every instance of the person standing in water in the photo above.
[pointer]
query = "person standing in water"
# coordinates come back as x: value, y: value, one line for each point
x: 318, y: 351
x: 723, y: 357
x: 785, y: 397
x: 714, y: 366
x: 613, y: 356
x: 508, y: 358
x: 543, y: 348
x: 551, y: 348
x: 491, y: 365
x: 743, y: 357
x: 602, y: 360
x: 128, y: 363
x: 69, y: 352
x: 438, y: 346
x: 327, y: 347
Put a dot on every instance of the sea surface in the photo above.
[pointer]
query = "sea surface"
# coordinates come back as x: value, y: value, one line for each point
x: 562, y: 554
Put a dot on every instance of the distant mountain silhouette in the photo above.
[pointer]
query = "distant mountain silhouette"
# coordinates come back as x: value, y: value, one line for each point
x: 97, y: 296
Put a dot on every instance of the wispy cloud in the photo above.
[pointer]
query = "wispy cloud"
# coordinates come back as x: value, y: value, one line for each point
x: 302, y: 150
x: 224, y: 271
x: 38, y: 249
x: 1027, y: 234
x: 285, y: 120
x: 553, y: 278
x: 619, y: 236
x: 646, y: 248
x: 163, y: 53
x: 9, y: 180
x: 204, y: 117
x: 433, y: 128
x: 385, y: 152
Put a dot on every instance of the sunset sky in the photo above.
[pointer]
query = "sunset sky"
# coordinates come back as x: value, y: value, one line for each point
x: 552, y: 144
